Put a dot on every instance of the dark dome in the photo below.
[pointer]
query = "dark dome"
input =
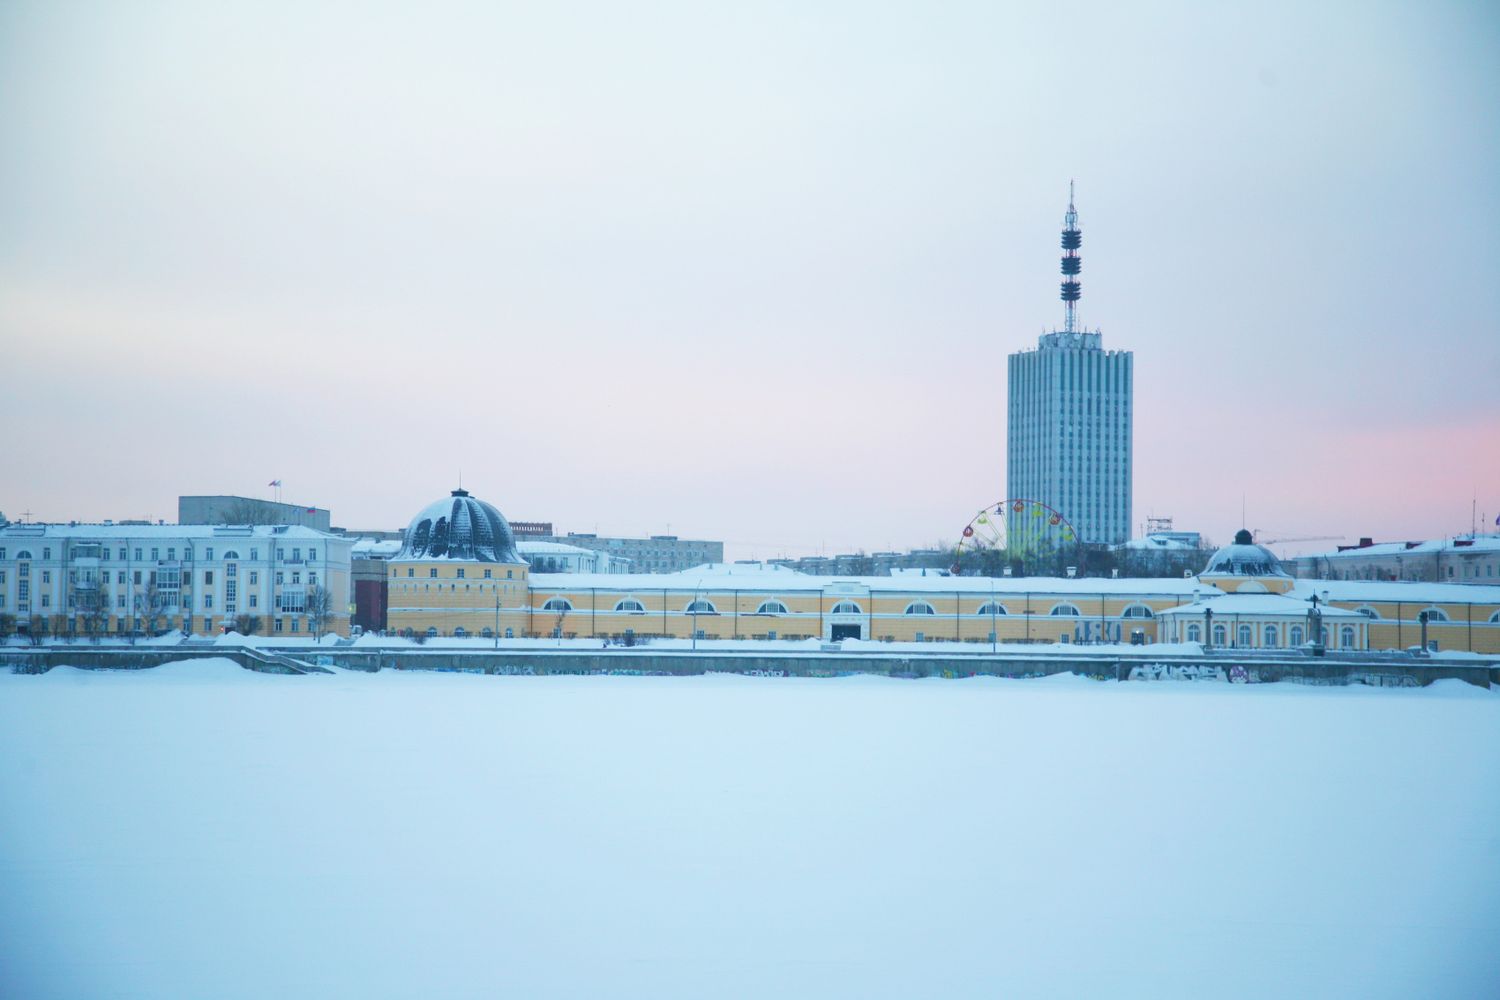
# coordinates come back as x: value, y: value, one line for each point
x: 460, y: 527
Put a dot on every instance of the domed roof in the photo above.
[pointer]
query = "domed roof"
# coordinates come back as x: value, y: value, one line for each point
x: 460, y: 527
x: 1244, y: 558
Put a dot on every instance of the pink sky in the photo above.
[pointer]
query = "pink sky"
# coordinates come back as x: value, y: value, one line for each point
x: 750, y: 276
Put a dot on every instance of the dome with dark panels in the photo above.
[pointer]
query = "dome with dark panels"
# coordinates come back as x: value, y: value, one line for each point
x: 460, y: 527
x: 1244, y: 558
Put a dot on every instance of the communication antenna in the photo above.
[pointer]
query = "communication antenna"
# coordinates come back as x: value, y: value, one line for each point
x: 1072, y: 264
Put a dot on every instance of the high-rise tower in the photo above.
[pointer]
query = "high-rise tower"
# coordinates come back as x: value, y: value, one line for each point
x: 1068, y: 440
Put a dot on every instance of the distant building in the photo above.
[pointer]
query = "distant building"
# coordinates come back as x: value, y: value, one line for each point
x: 656, y: 554
x: 531, y: 529
x: 557, y: 557
x: 1068, y: 435
x: 1472, y: 559
x: 871, y: 564
x: 248, y: 510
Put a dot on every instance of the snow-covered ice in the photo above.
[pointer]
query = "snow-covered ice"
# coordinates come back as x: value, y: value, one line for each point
x: 198, y: 830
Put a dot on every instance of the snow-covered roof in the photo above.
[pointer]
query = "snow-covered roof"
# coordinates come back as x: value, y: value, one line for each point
x: 1156, y: 543
x: 1399, y: 591
x: 460, y: 528
x: 554, y: 548
x: 1230, y: 605
x: 1458, y: 546
x: 375, y: 548
x: 766, y: 577
x: 1244, y: 558
x: 14, y: 533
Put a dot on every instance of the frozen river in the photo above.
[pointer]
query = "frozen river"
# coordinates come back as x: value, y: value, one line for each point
x: 202, y: 831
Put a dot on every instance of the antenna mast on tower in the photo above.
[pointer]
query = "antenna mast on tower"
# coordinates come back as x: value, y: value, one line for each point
x: 1072, y: 264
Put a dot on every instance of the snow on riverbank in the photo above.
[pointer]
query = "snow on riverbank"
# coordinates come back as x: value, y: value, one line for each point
x: 202, y: 830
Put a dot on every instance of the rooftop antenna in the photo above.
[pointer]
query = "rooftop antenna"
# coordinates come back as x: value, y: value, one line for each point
x: 1072, y: 264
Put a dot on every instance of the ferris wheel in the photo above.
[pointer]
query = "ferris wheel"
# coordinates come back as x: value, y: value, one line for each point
x: 1012, y: 532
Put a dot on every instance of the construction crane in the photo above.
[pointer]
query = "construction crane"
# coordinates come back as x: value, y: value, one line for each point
x: 1255, y: 537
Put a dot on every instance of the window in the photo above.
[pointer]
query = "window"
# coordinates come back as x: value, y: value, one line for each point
x: 701, y: 606
x: 989, y: 609
x: 312, y: 554
x: 1294, y: 635
x: 254, y: 554
x: 1495, y: 618
x: 208, y: 577
x: 846, y: 608
x: 1064, y: 609
x: 46, y: 576
x: 254, y: 600
x: 410, y: 571
x: 47, y: 552
x: 919, y: 608
x: 1242, y: 635
x: 431, y: 633
x: 254, y: 578
x: 459, y: 633
x: 156, y: 555
x: 508, y: 576
x: 487, y: 632
x: 487, y: 574
x: 208, y: 600
x: 120, y: 576
x: 137, y: 555
x: 1346, y: 637
x: 460, y: 572
x: 172, y: 554
x: 1194, y: 634
x: 561, y: 604
x: 296, y: 625
x: 137, y: 577
x: 432, y: 573
x: 296, y: 555
x: 1272, y: 639
x: 1137, y: 611
x: 771, y: 608
x: 631, y: 605
x: 1221, y: 635
x: 510, y: 633
x: 121, y: 554
x: 46, y: 600
x: 1433, y: 614
x: 208, y: 553
x: 119, y: 600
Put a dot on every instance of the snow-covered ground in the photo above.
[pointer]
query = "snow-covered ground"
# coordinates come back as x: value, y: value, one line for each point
x: 198, y: 830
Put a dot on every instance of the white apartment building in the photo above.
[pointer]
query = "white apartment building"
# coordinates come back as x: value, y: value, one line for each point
x: 78, y: 579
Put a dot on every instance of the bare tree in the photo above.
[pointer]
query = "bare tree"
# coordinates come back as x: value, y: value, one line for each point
x: 36, y: 629
x: 7, y: 625
x: 318, y: 610
x: 244, y: 512
x: 148, y: 603
x: 247, y: 624
x: 93, y: 612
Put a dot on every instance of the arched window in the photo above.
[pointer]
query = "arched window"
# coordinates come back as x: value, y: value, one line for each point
x: 846, y: 608
x: 231, y: 554
x: 1294, y: 637
x: 702, y: 606
x: 24, y: 554
x: 1195, y: 634
x: 510, y: 633
x: 1273, y: 638
x: 1064, y: 609
x: 631, y: 606
x: 1437, y: 615
x: 919, y: 608
x: 459, y: 633
x: 991, y: 608
x: 487, y: 632
x: 560, y: 604
x: 1243, y: 635
x: 1137, y: 611
x: 1368, y: 612
x: 431, y: 633
x: 1221, y: 635
x: 771, y: 608
x: 1346, y: 637
x: 1495, y: 618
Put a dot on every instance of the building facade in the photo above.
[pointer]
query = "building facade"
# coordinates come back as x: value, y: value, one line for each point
x: 656, y: 554
x: 1464, y: 559
x: 101, y: 579
x: 249, y: 510
x: 1068, y: 431
x: 489, y: 591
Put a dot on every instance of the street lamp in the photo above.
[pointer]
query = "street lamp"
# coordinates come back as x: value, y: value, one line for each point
x: 497, y: 619
x: 697, y: 587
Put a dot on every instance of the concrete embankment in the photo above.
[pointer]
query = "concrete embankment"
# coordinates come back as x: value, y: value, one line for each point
x: 1385, y: 670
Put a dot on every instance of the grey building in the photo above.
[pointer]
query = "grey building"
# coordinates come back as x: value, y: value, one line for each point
x: 248, y: 510
x: 1068, y: 439
x: 657, y: 554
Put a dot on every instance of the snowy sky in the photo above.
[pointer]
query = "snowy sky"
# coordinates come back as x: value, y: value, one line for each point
x: 749, y: 272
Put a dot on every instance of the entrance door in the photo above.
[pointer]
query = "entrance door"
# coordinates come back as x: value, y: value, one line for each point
x: 837, y: 632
